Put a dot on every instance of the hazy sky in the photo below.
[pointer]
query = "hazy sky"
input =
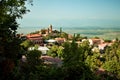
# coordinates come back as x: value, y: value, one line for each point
x: 72, y: 13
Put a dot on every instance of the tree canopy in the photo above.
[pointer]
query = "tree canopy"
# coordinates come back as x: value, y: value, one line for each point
x: 79, y: 61
x: 10, y: 49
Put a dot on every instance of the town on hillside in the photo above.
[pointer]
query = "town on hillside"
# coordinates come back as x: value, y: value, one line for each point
x: 45, y: 39
x: 50, y: 54
x: 79, y: 47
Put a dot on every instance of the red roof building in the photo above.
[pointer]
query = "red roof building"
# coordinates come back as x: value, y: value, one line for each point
x: 95, y: 41
x: 60, y: 40
x: 35, y: 38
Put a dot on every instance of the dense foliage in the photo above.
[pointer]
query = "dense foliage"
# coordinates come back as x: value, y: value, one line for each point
x: 10, y: 49
x: 79, y: 61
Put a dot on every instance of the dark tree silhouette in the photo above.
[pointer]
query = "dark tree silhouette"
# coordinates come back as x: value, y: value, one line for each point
x: 10, y: 11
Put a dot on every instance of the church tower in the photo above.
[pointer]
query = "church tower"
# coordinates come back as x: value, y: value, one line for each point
x: 50, y: 28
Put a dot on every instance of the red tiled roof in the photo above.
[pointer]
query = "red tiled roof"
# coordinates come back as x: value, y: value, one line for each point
x: 35, y: 38
x: 33, y: 35
x: 97, y: 40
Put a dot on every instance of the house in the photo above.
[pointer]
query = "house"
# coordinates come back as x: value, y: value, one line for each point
x: 84, y: 40
x: 95, y: 41
x: 50, y: 41
x: 52, y: 61
x: 60, y: 40
x: 43, y: 49
x: 102, y: 46
x: 35, y: 38
x: 70, y: 36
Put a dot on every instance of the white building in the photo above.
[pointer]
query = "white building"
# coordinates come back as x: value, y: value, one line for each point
x: 40, y: 48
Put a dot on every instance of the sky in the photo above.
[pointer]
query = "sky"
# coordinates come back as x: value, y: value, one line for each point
x: 72, y: 13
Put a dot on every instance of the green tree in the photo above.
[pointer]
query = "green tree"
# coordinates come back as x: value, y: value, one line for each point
x: 64, y: 35
x: 55, y: 51
x: 112, y: 59
x: 60, y: 52
x: 85, y: 49
x: 26, y: 44
x: 33, y: 58
x: 10, y: 11
x: 93, y: 61
x: 78, y: 37
x: 74, y: 64
x: 43, y: 31
x: 29, y: 69
x: 60, y: 30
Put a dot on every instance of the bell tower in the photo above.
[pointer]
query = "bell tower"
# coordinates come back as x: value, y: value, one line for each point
x: 50, y: 28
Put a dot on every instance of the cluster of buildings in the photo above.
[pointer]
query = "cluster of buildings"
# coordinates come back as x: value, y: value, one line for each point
x: 38, y: 38
x: 99, y: 45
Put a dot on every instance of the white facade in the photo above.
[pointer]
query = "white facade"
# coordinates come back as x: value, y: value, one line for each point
x: 40, y: 48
